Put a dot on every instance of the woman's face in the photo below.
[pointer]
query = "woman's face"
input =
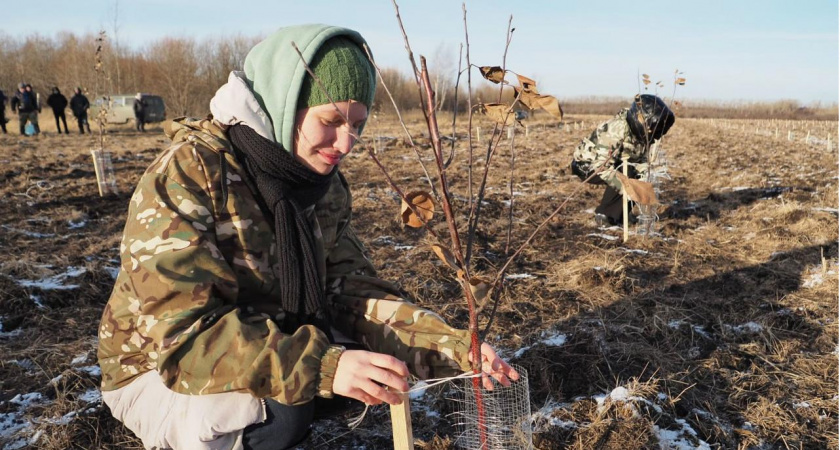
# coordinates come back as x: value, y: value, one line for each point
x: 323, y: 137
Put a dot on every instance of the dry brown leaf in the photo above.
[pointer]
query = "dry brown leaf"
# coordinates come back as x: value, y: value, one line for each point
x: 480, y: 288
x: 527, y: 84
x: 500, y: 112
x: 546, y: 102
x: 551, y: 106
x: 639, y: 191
x: 493, y: 73
x: 424, y: 205
x: 447, y: 257
x: 680, y: 81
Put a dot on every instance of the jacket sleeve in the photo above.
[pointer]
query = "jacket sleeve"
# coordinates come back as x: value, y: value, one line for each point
x: 372, y: 312
x: 599, y: 152
x: 184, y: 297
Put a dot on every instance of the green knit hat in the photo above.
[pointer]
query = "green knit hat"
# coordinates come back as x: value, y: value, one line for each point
x: 345, y: 73
x: 276, y: 75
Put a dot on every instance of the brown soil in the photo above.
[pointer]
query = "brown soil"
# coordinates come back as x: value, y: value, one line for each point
x: 725, y: 323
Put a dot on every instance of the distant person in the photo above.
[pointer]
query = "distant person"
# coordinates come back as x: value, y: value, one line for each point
x: 632, y: 133
x: 58, y: 102
x: 140, y: 113
x: 26, y: 104
x: 3, y: 119
x: 79, y: 104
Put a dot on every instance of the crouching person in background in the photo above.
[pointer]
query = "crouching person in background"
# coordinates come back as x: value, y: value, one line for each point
x: 632, y: 133
x: 243, y: 293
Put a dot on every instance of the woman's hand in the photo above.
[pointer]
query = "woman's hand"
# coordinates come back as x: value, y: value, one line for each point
x: 370, y: 377
x: 495, y: 367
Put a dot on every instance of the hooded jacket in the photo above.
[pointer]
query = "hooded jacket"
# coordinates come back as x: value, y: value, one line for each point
x: 57, y: 101
x: 196, y: 295
x: 605, y: 147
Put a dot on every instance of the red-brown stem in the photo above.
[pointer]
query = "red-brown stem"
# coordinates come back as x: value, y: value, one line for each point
x: 475, y: 345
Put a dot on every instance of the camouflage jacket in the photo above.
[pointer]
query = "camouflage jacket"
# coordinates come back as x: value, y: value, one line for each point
x: 605, y: 147
x: 196, y: 296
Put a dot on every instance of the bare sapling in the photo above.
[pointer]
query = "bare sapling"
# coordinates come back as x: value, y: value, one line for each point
x: 452, y: 245
x: 645, y: 193
x: 105, y: 178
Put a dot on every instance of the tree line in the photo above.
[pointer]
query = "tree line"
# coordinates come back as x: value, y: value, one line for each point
x: 187, y: 72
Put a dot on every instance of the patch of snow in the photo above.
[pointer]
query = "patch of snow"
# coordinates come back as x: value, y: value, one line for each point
x: 816, y: 277
x: 603, y: 236
x: 801, y: 405
x: 91, y: 396
x: 555, y: 340
x: 27, y: 400
x: 620, y: 394
x: 56, y: 379
x: 828, y: 210
x: 749, y: 327
x: 403, y: 247
x: 29, y: 233
x: 64, y: 420
x: 93, y: 371
x: 17, y: 444
x: 545, y: 418
x: 73, y: 225
x: 11, y: 423
x: 636, y: 251
x: 416, y: 392
x: 55, y: 282
x: 35, y: 437
x: 12, y: 333
x: 701, y: 331
x: 79, y: 359
x: 25, y: 364
x: 519, y: 276
x: 675, y: 440
x: 384, y: 240
x: 37, y: 300
x: 112, y: 271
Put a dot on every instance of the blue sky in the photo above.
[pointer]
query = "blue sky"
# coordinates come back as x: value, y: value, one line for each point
x: 728, y: 50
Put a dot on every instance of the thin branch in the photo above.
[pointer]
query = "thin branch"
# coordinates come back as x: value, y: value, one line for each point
x: 475, y: 213
x: 370, y: 151
x: 455, y: 110
x: 510, y: 190
x: 470, y: 119
x: 402, y: 123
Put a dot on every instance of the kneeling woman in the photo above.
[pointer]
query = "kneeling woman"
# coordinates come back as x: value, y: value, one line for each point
x: 242, y: 281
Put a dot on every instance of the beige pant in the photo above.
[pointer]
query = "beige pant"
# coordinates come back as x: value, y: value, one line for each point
x: 164, y: 419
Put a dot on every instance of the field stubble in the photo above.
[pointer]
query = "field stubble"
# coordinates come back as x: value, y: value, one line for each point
x: 720, y: 331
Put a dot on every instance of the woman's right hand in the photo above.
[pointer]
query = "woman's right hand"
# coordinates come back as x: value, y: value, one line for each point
x: 370, y: 377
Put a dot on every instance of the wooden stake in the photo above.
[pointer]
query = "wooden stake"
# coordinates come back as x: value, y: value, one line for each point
x: 401, y: 424
x: 98, y: 171
x: 625, y: 209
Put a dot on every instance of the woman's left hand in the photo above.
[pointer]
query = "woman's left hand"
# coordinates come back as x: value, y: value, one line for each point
x: 493, y: 366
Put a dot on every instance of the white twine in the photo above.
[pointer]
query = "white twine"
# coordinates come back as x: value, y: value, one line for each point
x: 353, y: 423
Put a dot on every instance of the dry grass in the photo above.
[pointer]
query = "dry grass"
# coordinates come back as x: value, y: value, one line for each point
x: 726, y: 323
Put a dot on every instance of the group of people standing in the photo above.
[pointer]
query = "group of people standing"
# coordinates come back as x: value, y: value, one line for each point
x: 27, y: 104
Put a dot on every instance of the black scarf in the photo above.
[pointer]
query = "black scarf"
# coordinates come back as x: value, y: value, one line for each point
x: 288, y: 187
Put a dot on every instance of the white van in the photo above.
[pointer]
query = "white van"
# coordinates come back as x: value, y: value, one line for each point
x: 121, y: 108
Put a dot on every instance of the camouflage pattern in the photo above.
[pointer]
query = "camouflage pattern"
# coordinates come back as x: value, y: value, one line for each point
x: 196, y: 296
x: 605, y: 147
